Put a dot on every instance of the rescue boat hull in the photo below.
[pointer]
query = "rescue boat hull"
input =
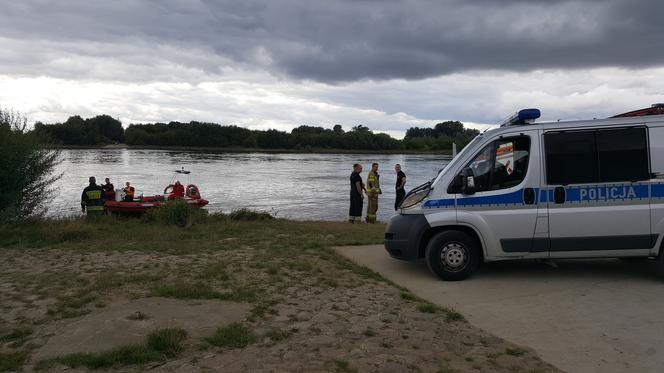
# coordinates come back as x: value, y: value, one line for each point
x: 144, y: 205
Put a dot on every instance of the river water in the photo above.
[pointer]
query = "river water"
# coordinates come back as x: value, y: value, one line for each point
x: 295, y: 186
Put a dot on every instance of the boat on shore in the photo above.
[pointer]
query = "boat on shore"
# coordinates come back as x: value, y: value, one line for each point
x: 143, y: 204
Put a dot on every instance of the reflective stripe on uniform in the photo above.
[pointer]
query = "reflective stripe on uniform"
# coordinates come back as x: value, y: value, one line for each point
x: 93, y: 194
x: 94, y: 208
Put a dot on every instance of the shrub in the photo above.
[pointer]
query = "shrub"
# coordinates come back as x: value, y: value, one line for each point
x: 26, y: 170
x: 177, y: 212
x: 234, y: 335
x: 246, y: 214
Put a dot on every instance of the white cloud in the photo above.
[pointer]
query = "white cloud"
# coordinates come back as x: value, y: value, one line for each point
x: 259, y: 100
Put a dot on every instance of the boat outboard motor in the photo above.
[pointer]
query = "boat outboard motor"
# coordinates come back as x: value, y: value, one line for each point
x: 119, y: 195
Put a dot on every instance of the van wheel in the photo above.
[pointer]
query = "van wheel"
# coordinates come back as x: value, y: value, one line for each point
x: 453, y: 255
x: 660, y: 263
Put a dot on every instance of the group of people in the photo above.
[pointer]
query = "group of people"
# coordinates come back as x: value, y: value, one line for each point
x: 94, y: 196
x: 372, y: 189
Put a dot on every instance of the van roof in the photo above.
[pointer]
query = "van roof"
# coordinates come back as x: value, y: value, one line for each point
x: 632, y: 117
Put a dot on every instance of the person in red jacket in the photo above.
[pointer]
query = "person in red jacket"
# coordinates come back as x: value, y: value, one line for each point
x: 178, y: 191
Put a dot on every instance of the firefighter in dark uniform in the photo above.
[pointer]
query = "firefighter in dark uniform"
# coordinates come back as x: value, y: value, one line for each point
x: 356, y: 196
x: 91, y: 198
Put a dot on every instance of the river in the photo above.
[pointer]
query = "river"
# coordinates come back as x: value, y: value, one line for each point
x: 295, y: 186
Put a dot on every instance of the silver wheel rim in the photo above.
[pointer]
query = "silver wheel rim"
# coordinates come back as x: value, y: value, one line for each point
x: 454, y: 257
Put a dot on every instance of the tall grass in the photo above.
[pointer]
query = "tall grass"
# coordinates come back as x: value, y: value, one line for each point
x: 177, y: 212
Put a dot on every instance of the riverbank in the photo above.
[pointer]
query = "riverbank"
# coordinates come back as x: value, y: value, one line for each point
x: 131, y: 294
x: 307, y: 150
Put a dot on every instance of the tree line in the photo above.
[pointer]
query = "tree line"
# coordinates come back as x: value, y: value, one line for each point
x: 104, y: 129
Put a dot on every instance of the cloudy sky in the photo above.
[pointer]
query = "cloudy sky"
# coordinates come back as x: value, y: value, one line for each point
x: 386, y: 64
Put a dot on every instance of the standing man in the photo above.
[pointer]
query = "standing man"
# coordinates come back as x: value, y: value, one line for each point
x: 356, y: 196
x: 400, y: 187
x: 108, y: 190
x: 373, y: 190
x: 91, y: 198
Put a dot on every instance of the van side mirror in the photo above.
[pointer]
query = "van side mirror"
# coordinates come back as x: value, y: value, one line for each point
x: 467, y: 181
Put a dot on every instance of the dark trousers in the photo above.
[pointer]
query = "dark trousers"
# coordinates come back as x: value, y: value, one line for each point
x: 401, y: 194
x: 355, y: 211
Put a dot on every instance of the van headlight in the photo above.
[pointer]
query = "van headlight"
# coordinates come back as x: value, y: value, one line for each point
x: 416, y: 195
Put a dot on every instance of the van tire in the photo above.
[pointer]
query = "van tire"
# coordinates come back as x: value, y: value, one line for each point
x: 660, y: 263
x: 453, y: 255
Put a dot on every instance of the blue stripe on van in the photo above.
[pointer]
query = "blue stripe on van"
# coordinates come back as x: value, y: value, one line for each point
x: 657, y: 190
x: 514, y: 198
x: 615, y: 192
x: 438, y: 203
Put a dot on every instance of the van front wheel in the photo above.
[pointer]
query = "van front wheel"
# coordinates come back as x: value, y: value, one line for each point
x: 453, y: 255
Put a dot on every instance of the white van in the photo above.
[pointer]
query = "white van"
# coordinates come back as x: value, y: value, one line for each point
x: 582, y: 189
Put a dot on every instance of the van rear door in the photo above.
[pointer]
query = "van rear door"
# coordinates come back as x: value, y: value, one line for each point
x: 598, y: 192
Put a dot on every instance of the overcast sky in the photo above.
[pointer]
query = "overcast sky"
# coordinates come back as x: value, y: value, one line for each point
x: 278, y: 64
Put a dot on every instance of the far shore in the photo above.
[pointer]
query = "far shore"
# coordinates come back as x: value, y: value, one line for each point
x: 253, y: 150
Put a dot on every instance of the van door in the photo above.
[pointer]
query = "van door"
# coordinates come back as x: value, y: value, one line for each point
x: 504, y: 207
x: 598, y: 192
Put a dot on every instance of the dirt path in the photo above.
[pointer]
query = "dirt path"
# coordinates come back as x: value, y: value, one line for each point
x: 585, y: 316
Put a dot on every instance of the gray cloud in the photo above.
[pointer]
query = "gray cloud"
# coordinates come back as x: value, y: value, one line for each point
x: 328, y: 41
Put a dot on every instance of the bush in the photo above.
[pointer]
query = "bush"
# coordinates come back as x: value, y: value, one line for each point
x: 177, y: 212
x: 246, y: 214
x: 26, y: 170
x: 234, y: 335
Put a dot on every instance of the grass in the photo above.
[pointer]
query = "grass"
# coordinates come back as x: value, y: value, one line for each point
x: 243, y: 256
x: 234, y: 335
x: 426, y: 307
x: 342, y: 366
x: 159, y: 345
x: 185, y: 290
x: 406, y: 295
x: 17, y: 336
x: 515, y: 351
x: 12, y: 361
x: 277, y: 335
x: 168, y: 341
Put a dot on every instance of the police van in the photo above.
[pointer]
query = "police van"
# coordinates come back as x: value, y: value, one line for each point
x: 526, y: 190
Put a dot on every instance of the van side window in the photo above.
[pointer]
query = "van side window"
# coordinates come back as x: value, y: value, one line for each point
x: 623, y: 154
x: 571, y: 157
x: 596, y: 156
x: 501, y: 164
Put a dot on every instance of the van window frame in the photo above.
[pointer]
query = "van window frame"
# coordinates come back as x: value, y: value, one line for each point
x: 494, y: 144
x: 545, y: 154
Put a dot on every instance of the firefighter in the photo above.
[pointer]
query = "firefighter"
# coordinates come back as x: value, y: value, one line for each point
x: 129, y: 192
x: 91, y: 198
x: 356, y: 196
x: 373, y: 190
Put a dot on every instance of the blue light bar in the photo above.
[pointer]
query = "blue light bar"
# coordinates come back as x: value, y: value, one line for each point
x: 524, y: 116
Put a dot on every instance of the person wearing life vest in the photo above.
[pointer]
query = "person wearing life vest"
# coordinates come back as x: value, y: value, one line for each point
x: 178, y: 191
x: 91, y: 198
x: 373, y: 190
x: 129, y: 192
x: 108, y: 191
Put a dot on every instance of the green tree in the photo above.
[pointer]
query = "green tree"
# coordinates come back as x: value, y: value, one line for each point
x: 26, y: 170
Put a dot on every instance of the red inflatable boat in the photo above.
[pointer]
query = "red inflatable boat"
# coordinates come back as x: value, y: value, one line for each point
x: 144, y: 203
